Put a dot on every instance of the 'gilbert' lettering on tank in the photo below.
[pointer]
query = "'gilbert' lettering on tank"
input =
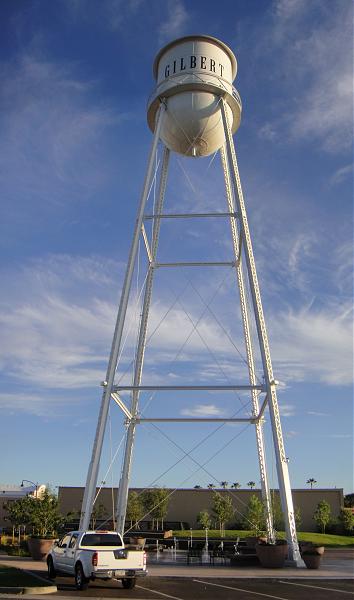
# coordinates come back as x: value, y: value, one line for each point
x: 194, y: 62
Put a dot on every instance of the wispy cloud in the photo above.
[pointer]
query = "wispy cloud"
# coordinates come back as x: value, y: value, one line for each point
x: 113, y: 15
x: 176, y: 19
x: 316, y: 413
x: 341, y: 174
x: 202, y: 410
x: 318, y: 57
x: 50, y: 132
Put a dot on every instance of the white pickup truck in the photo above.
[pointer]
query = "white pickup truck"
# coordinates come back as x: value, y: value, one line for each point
x: 90, y: 555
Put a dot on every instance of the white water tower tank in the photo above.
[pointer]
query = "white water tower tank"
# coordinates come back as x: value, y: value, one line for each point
x: 192, y: 75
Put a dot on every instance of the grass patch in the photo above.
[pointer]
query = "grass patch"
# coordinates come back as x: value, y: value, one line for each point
x: 11, y: 577
x: 324, y: 539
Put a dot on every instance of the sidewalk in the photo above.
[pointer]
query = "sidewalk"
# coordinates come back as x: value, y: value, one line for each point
x: 337, y: 563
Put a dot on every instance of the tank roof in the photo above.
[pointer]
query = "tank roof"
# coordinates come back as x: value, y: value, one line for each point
x: 196, y: 37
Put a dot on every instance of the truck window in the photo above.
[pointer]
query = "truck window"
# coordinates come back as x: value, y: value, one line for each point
x: 101, y: 539
x: 73, y: 540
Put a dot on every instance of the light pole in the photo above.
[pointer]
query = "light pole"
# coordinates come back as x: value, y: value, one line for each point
x: 32, y: 482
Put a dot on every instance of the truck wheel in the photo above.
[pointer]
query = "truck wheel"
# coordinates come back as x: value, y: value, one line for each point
x: 128, y: 584
x: 81, y: 581
x: 51, y: 571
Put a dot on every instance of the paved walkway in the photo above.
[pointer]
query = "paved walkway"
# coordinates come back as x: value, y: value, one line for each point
x: 337, y: 563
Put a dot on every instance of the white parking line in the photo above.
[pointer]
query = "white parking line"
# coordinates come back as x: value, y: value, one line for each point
x: 228, y: 587
x: 160, y: 593
x: 317, y: 587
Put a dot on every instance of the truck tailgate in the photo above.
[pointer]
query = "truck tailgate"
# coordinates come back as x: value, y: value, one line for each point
x: 121, y: 559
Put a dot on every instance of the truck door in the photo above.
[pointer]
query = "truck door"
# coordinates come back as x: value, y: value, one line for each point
x: 69, y: 555
x: 60, y: 552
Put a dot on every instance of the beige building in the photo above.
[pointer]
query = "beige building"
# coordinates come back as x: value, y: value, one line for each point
x: 185, y: 504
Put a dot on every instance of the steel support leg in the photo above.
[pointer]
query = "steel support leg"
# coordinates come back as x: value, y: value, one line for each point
x: 281, y: 460
x: 92, y: 474
x: 139, y: 360
x: 249, y: 350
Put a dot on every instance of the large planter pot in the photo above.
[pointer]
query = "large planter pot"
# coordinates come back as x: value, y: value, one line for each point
x: 312, y: 561
x: 138, y: 541
x: 39, y: 547
x: 272, y: 556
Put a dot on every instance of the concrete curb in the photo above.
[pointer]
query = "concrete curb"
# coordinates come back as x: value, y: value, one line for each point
x: 45, y: 589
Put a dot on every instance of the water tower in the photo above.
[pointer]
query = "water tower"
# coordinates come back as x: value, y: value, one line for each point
x: 194, y: 111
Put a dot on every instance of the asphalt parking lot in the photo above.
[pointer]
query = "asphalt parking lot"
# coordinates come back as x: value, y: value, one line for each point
x: 189, y: 588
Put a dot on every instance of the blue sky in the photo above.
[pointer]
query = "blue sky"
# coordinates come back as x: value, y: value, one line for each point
x: 76, y: 75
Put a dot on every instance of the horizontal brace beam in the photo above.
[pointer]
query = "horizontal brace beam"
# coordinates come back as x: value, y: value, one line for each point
x: 193, y: 388
x: 190, y: 215
x: 196, y: 420
x: 196, y: 264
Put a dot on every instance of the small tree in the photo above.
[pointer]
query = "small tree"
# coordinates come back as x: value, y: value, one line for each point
x: 155, y: 503
x: 211, y: 486
x: 197, y: 487
x: 347, y: 518
x: 224, y: 484
x: 349, y: 500
x: 236, y: 485
x: 134, y: 509
x: 42, y: 513
x: 204, y: 520
x: 322, y: 515
x: 298, y: 517
x: 278, y: 518
x: 254, y: 517
x: 223, y: 510
x: 98, y: 513
x: 311, y: 482
x: 251, y: 484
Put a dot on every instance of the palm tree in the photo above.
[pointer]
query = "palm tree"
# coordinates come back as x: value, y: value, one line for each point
x: 224, y: 484
x: 236, y: 485
x: 211, y: 486
x: 311, y: 481
x: 251, y: 484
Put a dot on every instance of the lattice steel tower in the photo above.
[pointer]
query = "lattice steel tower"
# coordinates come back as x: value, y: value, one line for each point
x: 194, y: 111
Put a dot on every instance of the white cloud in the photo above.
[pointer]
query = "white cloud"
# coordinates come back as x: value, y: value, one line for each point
x: 110, y: 14
x: 202, y: 410
x: 313, y: 344
x: 175, y: 21
x: 50, y: 134
x: 341, y: 174
x: 291, y: 434
x: 286, y: 410
x: 316, y: 413
x: 312, y: 49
